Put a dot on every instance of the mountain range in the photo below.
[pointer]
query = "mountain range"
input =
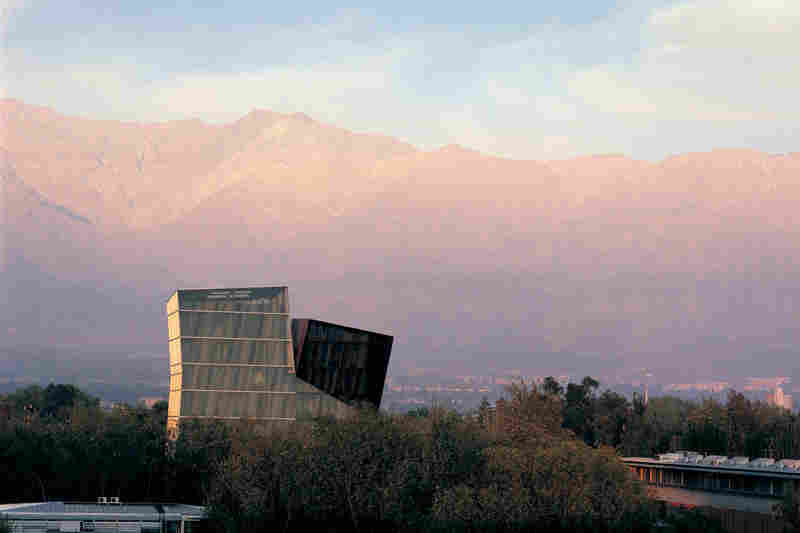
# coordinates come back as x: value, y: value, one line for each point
x: 688, y: 265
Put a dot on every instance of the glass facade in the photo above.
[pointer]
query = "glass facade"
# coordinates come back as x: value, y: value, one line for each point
x: 237, y: 404
x: 233, y: 352
x: 256, y: 300
x: 234, y: 356
x: 233, y: 325
x: 230, y: 355
x: 346, y: 363
x: 313, y: 402
x: 244, y: 378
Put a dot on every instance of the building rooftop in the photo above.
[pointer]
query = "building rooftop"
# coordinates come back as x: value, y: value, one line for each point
x: 693, y: 460
x: 99, y: 511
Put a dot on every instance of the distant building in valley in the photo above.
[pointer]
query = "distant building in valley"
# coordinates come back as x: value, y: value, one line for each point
x: 779, y: 399
x: 495, y: 418
x: 150, y: 401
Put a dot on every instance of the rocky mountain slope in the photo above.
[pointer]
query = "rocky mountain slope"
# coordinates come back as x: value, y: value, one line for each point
x: 603, y: 254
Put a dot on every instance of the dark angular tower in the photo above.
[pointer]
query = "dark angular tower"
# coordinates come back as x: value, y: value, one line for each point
x: 339, y: 362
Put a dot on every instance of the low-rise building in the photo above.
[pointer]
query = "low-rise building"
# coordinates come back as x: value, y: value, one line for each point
x: 106, y: 515
x: 742, y: 492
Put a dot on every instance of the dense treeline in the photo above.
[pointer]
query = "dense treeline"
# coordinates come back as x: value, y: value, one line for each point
x: 439, y: 472
x: 59, y: 445
x: 739, y: 426
x: 434, y: 472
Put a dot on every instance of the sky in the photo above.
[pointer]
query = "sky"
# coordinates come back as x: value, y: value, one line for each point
x: 532, y: 80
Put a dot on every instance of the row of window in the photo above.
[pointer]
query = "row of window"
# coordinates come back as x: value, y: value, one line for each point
x: 712, y: 481
x: 237, y: 404
x: 323, y: 332
x: 266, y: 352
x: 35, y: 526
x: 336, y: 354
x: 316, y: 404
x: 237, y: 378
x: 346, y: 383
x: 308, y: 403
x: 263, y: 300
x: 228, y: 326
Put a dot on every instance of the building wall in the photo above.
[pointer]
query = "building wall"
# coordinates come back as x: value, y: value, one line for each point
x: 742, y: 503
x: 230, y: 355
x: 346, y: 363
x: 232, y: 358
x: 313, y: 402
x: 746, y: 522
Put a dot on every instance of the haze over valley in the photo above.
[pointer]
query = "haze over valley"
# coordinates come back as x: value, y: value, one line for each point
x: 597, y: 264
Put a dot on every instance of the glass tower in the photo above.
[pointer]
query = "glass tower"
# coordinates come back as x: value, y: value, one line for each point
x: 231, y: 356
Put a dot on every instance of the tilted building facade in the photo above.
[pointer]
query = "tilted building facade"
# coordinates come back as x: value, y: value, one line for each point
x: 232, y: 357
x: 338, y: 367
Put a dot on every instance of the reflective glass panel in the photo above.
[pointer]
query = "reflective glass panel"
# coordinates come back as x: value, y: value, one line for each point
x: 199, y: 324
x: 348, y: 364
x: 238, y: 404
x: 261, y: 300
x: 235, y: 351
x: 248, y: 378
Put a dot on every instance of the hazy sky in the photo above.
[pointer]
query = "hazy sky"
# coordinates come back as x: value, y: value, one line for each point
x: 527, y: 79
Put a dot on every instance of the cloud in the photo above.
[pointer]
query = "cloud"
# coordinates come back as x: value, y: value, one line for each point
x: 728, y: 24
x: 326, y: 92
x: 506, y: 95
x: 705, y: 60
x: 551, y: 91
x: 9, y: 9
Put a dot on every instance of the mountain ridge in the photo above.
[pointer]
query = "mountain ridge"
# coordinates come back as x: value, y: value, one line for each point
x: 599, y: 254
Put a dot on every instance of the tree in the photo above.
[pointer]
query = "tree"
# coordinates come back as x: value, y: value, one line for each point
x: 740, y: 421
x: 530, y: 414
x: 610, y: 418
x: 160, y: 411
x: 420, y: 412
x: 59, y: 399
x: 788, y: 509
x: 552, y: 387
x: 579, y: 408
x: 484, y: 412
x: 639, y: 407
x: 562, y: 486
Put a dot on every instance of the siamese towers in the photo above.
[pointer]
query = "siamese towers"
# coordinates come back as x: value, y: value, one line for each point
x: 234, y: 352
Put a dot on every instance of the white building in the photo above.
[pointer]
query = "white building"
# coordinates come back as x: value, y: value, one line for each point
x: 107, y: 515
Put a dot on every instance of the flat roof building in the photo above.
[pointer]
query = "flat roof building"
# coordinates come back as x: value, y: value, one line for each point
x: 106, y: 517
x: 234, y: 352
x: 744, y: 491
